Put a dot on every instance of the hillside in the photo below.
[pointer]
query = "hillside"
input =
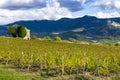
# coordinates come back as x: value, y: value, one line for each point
x: 53, y: 60
x: 84, y: 28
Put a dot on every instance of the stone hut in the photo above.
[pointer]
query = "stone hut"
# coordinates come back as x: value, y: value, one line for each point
x: 27, y: 37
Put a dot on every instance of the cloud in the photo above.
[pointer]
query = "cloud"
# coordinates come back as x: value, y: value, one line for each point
x: 107, y: 15
x: 22, y: 4
x: 51, y: 12
x: 109, y: 8
x: 107, y: 4
x: 74, y: 5
x: 15, y: 10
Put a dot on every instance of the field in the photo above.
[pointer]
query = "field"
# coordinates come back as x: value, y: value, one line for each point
x: 58, y: 59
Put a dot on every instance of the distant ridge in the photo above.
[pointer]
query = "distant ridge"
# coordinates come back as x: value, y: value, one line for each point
x: 86, y: 27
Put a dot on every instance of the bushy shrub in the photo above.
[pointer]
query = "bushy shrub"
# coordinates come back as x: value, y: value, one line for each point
x: 117, y: 44
x: 76, y: 41
x: 47, y: 38
x: 34, y: 37
x: 57, y: 38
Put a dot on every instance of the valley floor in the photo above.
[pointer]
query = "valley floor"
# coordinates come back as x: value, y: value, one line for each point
x: 57, y: 60
x: 9, y: 73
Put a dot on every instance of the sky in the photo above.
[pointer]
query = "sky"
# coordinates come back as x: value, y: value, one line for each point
x: 16, y: 10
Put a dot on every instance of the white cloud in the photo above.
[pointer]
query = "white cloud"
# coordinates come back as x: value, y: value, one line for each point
x: 107, y: 4
x: 15, y: 10
x: 51, y: 11
x: 73, y: 5
x: 117, y: 4
x: 107, y: 15
x: 22, y: 4
x: 109, y: 8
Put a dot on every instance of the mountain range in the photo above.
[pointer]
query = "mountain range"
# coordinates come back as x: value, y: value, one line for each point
x: 83, y: 28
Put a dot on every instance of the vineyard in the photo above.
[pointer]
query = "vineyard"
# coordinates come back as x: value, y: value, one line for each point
x: 60, y: 58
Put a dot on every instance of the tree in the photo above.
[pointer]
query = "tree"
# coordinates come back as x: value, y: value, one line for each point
x: 17, y: 31
x: 57, y: 38
x: 47, y: 38
x: 118, y: 43
x: 12, y: 30
x: 34, y: 37
x: 21, y: 30
x: 76, y: 41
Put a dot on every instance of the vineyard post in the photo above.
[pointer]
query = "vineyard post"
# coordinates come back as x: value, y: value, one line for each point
x: 7, y: 59
x: 77, y: 68
x: 45, y: 62
x: 107, y: 66
x: 97, y: 67
x: 84, y: 63
x: 62, y: 65
x: 22, y: 59
x: 30, y: 61
x: 41, y: 66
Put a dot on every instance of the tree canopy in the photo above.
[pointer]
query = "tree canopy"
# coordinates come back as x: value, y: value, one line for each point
x: 19, y: 31
x: 47, y: 38
x: 57, y: 38
x: 12, y: 30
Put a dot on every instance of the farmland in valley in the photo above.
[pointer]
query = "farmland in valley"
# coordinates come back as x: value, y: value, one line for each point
x: 52, y: 58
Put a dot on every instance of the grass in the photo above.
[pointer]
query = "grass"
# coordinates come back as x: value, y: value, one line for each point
x: 7, y: 73
x: 56, y: 59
